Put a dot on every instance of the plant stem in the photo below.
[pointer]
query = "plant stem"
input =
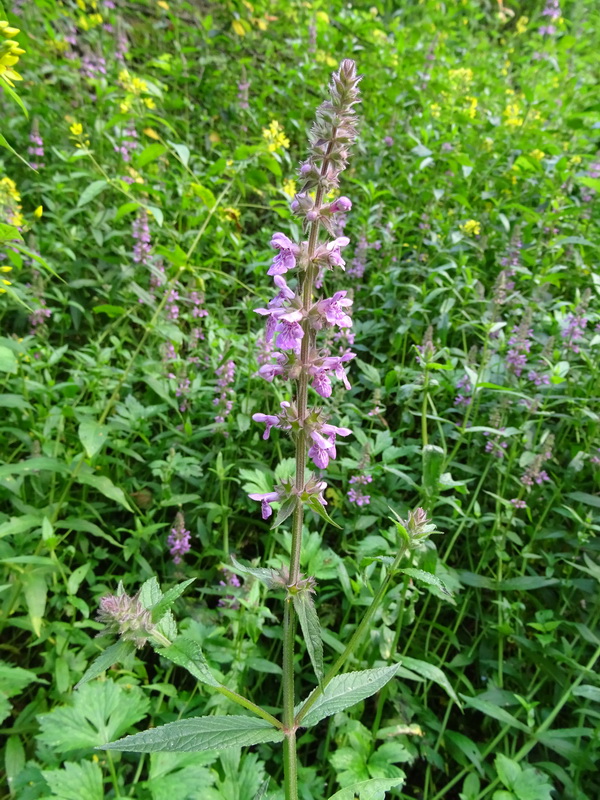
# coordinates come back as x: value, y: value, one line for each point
x: 354, y: 640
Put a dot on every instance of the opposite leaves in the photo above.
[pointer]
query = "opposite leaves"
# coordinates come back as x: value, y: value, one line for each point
x: 199, y: 733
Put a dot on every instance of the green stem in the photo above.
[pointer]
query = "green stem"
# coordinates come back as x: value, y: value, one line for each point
x: 354, y: 640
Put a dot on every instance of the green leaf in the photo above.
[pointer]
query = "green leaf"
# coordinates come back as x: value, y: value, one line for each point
x: 200, y: 733
x: 11, y: 93
x: 97, y: 712
x: 105, y: 486
x: 8, y: 360
x: 585, y: 498
x: 311, y: 629
x: 431, y: 673
x: 318, y: 508
x: 150, y: 153
x: 374, y: 789
x: 183, y: 152
x: 4, y: 143
x: 433, y: 461
x: 426, y: 577
x: 92, y: 436
x: 507, y: 769
x: 35, y: 589
x: 168, y: 599
x: 14, y: 759
x: 115, y: 654
x: 286, y: 509
x: 33, y: 465
x: 494, y: 711
x: 91, y: 191
x: 262, y: 791
x: 181, y: 776
x: 188, y: 654
x: 268, y: 577
x: 346, y: 690
x: 9, y: 233
x: 77, y: 781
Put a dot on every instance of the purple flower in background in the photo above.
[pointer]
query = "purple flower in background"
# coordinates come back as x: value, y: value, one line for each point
x: 496, y: 445
x: 224, y: 402
x: 242, y: 94
x: 230, y: 601
x: 463, y: 398
x: 534, y: 472
x: 357, y: 496
x: 36, y: 148
x: 520, y: 346
x: 359, y: 262
x: 92, y: 66
x: 179, y: 539
x: 39, y: 315
x: 518, y: 503
x: 574, y: 330
x: 388, y: 141
x: 128, y: 144
x: 141, y: 233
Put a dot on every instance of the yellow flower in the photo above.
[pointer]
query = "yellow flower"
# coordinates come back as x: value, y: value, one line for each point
x: 462, y: 75
x: 537, y: 154
x: 5, y: 282
x: 38, y: 212
x: 436, y: 110
x: 471, y: 227
x: 149, y: 102
x: 275, y: 137
x: 574, y: 161
x: 9, y: 53
x: 124, y: 107
x: 76, y: 129
x: 289, y: 187
x: 9, y: 187
x: 162, y: 4
x: 512, y: 115
x: 472, y: 109
x: 5, y: 269
x: 214, y: 138
x: 521, y: 25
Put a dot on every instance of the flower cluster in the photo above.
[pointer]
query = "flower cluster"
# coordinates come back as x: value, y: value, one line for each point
x: 128, y: 143
x: 552, y: 11
x: 140, y: 230
x: 293, y: 316
x: 224, y: 402
x: 179, y: 539
x: 126, y: 617
x: 275, y: 137
x: 9, y: 53
x: 36, y: 148
x: 10, y: 203
x: 520, y: 346
x: 534, y: 472
x: 356, y: 495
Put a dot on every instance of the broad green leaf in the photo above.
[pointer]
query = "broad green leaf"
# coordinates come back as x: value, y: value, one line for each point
x: 588, y: 692
x: 8, y: 360
x: 92, y: 436
x: 115, y: 654
x: 374, y: 789
x: 33, y: 465
x: 91, y: 191
x: 200, y: 733
x: 183, y: 152
x: 346, y: 690
x: 311, y: 629
x: 181, y: 776
x: 21, y: 524
x: 507, y: 769
x: 150, y: 153
x: 77, y: 781
x: 426, y: 577
x: 35, y: 589
x: 585, y: 498
x: 105, y: 486
x: 14, y: 758
x: 168, y: 599
x: 98, y: 712
x: 188, y: 654
x: 431, y: 673
x: 8, y: 233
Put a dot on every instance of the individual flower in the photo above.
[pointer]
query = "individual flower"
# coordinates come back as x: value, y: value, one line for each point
x: 286, y: 258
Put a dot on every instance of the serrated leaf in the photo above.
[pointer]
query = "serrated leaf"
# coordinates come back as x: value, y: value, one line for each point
x: 188, y: 654
x: 311, y: 628
x: 77, y: 781
x: 181, y: 776
x: 262, y: 791
x: 91, y: 191
x: 200, y: 733
x: 268, y: 577
x: 98, y: 711
x: 346, y: 690
x: 115, y: 654
x: 431, y: 673
x: 373, y: 789
x: 168, y: 599
x: 426, y: 577
x: 92, y: 436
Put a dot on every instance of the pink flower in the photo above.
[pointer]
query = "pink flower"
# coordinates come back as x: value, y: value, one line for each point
x: 265, y: 500
x: 286, y: 259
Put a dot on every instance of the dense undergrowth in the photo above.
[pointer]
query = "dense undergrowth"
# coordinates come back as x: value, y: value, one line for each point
x: 166, y: 139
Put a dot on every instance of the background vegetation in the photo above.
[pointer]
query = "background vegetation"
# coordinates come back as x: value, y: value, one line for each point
x: 165, y: 138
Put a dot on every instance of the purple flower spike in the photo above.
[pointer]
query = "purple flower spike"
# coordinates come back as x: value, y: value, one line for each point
x: 289, y: 334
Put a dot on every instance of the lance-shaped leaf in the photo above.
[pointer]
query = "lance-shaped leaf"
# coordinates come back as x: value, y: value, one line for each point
x: 311, y: 628
x: 160, y: 608
x: 318, y: 508
x: 431, y: 673
x: 426, y: 577
x: 346, y: 690
x: 285, y: 510
x: 373, y: 789
x: 269, y: 577
x: 115, y: 654
x: 199, y: 733
x: 188, y: 654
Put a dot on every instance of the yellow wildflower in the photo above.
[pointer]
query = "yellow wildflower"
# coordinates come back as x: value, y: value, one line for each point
x: 149, y: 102
x: 38, y: 212
x: 289, y: 187
x: 76, y: 129
x: 463, y: 76
x: 124, y: 107
x: 9, y: 187
x: 537, y: 154
x: 5, y: 282
x: 9, y: 53
x: 574, y: 161
x: 5, y: 269
x: 435, y: 109
x: 162, y: 4
x: 512, y: 115
x: 521, y: 25
x: 275, y: 137
x: 471, y: 227
x: 472, y: 103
